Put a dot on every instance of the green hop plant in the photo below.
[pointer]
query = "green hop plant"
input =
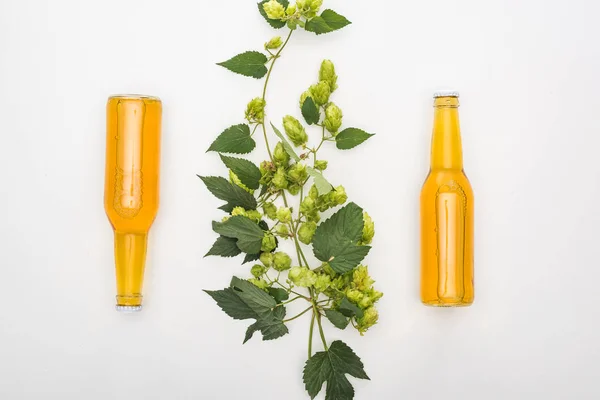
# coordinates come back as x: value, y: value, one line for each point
x: 274, y: 9
x: 281, y: 261
x: 320, y: 92
x: 274, y: 43
x: 268, y: 243
x: 258, y: 270
x: 255, y: 110
x: 284, y: 215
x: 320, y: 165
x: 280, y: 156
x: 333, y: 118
x: 327, y: 74
x: 294, y: 130
x: 270, y: 210
x: 283, y: 198
x: 307, y: 231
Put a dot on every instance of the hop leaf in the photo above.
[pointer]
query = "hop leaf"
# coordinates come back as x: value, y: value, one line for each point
x: 250, y: 63
x: 224, y: 247
x: 246, y: 171
x: 234, y: 195
x: 235, y: 139
x: 310, y: 112
x: 336, y: 239
x: 248, y: 234
x: 328, y: 21
x: 350, y: 138
x: 331, y: 366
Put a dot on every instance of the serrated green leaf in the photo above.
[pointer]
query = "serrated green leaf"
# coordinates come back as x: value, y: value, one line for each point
x: 234, y: 195
x: 338, y: 319
x: 250, y: 257
x: 322, y: 185
x: 279, y: 294
x: 232, y: 304
x: 331, y: 366
x: 248, y: 173
x: 275, y: 23
x: 310, y: 112
x: 350, y: 138
x: 350, y: 309
x: 335, y: 240
x: 334, y: 20
x: 224, y: 247
x: 318, y: 25
x: 242, y: 300
x: 248, y: 234
x: 271, y: 328
x: 286, y: 145
x: 250, y: 63
x: 235, y: 139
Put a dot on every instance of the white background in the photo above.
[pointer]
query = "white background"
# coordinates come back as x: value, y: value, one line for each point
x: 528, y: 75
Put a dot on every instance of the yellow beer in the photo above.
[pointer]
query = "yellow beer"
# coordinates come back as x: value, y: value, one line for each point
x: 131, y: 191
x: 446, y: 214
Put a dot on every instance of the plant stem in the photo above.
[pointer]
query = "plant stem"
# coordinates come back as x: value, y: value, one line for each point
x: 310, y: 335
x: 297, y: 316
x: 264, y: 94
x: 294, y: 299
x: 321, y: 331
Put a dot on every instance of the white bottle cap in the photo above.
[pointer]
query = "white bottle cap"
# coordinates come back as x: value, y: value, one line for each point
x: 128, y: 309
x: 445, y: 93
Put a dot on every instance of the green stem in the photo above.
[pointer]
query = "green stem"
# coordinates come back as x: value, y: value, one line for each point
x: 310, y: 335
x: 297, y: 316
x: 264, y: 94
x: 321, y: 331
x: 294, y: 299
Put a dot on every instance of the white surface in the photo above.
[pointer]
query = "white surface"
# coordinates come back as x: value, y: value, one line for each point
x: 527, y: 72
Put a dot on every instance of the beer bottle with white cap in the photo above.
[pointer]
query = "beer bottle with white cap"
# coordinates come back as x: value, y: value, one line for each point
x: 446, y: 214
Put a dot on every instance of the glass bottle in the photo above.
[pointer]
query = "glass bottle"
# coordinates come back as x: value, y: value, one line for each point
x: 131, y: 191
x: 446, y: 214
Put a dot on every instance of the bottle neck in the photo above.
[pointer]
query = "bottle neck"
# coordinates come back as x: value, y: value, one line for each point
x: 446, y: 146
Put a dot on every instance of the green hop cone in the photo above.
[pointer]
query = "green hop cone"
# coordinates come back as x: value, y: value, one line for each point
x: 361, y: 279
x: 259, y: 283
x: 307, y: 206
x: 368, y: 229
x: 268, y: 243
x: 369, y: 318
x: 254, y: 215
x: 270, y: 210
x: 281, y: 261
x: 274, y: 9
x: 294, y: 130
x: 267, y: 259
x: 313, y: 216
x: 274, y: 43
x: 267, y: 168
x: 255, y: 110
x: 323, y: 282
x: 279, y: 179
x: 283, y: 231
x: 258, y: 270
x: 297, y: 173
x: 291, y: 9
x: 339, y: 195
x: 302, y: 276
x: 321, y: 165
x: 307, y: 231
x: 281, y: 157
x: 233, y: 178
x: 238, y: 211
x: 354, y: 295
x: 333, y: 118
x: 327, y: 74
x: 313, y: 193
x: 320, y: 93
x: 284, y: 215
x: 294, y: 189
x: 309, y: 8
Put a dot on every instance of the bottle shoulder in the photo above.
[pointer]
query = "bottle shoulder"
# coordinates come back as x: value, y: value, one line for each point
x: 437, y: 179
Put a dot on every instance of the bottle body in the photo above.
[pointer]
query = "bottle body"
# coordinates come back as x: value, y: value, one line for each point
x: 131, y: 191
x: 447, y: 208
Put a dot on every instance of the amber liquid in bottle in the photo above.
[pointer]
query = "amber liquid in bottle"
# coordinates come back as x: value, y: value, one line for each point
x: 446, y: 214
x: 131, y: 191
